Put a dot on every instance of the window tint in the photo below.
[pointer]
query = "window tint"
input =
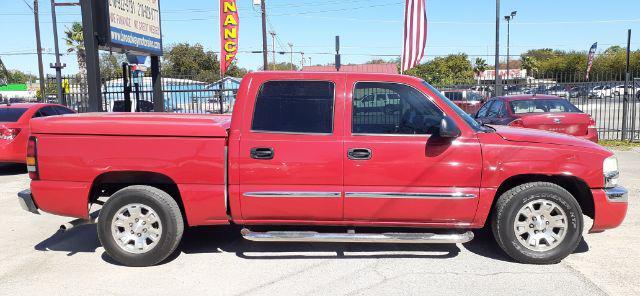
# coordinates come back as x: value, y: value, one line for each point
x: 496, y: 109
x: 63, y: 110
x: 11, y: 114
x: 542, y: 106
x: 45, y: 111
x: 483, y: 110
x: 294, y: 106
x: 406, y: 111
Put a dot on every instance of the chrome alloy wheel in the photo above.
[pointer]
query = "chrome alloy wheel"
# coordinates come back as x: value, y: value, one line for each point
x: 136, y: 228
x: 540, y: 225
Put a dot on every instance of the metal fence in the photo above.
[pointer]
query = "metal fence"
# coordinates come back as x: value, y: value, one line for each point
x: 181, y: 95
x: 602, y: 96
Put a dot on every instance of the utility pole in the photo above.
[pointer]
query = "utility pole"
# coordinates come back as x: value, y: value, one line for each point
x: 310, y: 64
x: 273, y: 47
x: 302, y: 61
x: 265, y: 62
x: 291, y: 51
x: 58, y: 66
x: 36, y: 18
x: 508, y: 18
x: 337, y: 62
x: 498, y: 83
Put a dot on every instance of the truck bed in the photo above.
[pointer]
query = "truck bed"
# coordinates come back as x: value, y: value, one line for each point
x: 134, y: 124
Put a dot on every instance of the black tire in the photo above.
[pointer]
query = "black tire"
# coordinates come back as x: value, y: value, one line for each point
x: 510, y: 203
x: 168, y: 213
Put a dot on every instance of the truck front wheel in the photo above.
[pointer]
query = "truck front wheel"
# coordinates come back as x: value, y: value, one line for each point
x: 537, y: 223
x: 140, y: 226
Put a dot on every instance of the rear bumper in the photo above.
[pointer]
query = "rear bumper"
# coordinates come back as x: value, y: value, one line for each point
x: 10, y: 152
x: 610, y: 206
x: 592, y: 135
x: 26, y: 201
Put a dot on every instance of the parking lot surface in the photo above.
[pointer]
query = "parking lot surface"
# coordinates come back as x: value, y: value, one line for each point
x: 38, y: 259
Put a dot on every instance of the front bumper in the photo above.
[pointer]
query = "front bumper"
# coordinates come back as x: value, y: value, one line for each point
x: 610, y: 206
x: 26, y: 201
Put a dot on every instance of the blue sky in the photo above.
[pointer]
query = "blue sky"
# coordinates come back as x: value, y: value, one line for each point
x: 368, y: 28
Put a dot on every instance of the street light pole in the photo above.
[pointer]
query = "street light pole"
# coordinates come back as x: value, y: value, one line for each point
x: 291, y: 51
x: 498, y: 84
x: 508, y: 18
x: 273, y: 47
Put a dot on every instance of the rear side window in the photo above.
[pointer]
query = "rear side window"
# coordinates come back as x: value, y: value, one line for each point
x: 45, y: 112
x: 11, y: 114
x: 453, y: 95
x: 294, y: 106
x: 63, y: 110
x: 542, y: 106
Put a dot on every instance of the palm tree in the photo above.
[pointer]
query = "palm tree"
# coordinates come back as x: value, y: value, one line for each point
x: 530, y: 64
x: 479, y: 67
x: 75, y: 41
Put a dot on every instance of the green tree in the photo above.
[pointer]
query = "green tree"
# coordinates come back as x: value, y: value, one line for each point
x: 479, y: 67
x: 75, y: 41
x: 111, y: 65
x: 194, y: 62
x: 454, y: 69
x: 284, y: 66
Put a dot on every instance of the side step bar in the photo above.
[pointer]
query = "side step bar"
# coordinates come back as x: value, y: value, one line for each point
x: 391, y: 237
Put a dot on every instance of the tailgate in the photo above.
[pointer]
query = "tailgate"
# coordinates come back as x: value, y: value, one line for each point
x: 575, y: 124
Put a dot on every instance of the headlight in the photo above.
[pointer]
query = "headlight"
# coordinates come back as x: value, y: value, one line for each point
x: 610, y: 172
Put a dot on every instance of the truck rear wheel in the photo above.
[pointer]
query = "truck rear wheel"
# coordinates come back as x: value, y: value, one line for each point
x: 140, y: 226
x: 537, y: 223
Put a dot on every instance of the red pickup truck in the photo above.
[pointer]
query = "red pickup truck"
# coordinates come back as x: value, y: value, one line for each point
x: 299, y: 151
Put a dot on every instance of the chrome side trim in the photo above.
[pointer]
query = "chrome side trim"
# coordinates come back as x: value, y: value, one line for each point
x: 407, y: 195
x: 390, y: 237
x: 617, y: 194
x: 310, y: 194
x: 225, y: 167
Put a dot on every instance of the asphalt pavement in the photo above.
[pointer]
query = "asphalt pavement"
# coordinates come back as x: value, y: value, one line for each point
x: 38, y: 259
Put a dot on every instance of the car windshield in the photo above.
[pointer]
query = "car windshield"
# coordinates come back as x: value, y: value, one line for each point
x: 542, y: 106
x: 11, y: 114
x: 466, y: 117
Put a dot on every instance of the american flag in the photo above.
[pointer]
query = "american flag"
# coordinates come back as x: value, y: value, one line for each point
x: 415, y: 33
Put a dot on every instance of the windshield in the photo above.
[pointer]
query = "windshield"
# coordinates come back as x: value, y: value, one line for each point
x: 542, y: 106
x: 466, y: 117
x: 11, y: 114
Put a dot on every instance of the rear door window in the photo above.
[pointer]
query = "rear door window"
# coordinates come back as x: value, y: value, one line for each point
x: 63, y: 110
x: 11, y: 114
x: 45, y: 112
x: 294, y: 107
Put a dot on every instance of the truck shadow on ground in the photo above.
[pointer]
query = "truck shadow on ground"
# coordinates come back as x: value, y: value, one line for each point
x: 199, y: 240
x: 10, y: 169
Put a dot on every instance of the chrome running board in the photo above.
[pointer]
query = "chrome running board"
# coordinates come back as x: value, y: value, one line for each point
x: 391, y: 237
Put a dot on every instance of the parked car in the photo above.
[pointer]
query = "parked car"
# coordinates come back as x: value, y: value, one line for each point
x: 470, y: 101
x: 600, y: 92
x: 618, y: 90
x: 296, y: 151
x: 557, y: 90
x: 543, y: 112
x: 14, y: 127
x: 579, y: 91
x: 388, y: 103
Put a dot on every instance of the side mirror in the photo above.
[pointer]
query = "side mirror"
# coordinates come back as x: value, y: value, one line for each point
x: 448, y: 128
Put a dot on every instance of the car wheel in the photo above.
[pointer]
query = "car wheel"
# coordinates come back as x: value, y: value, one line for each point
x: 140, y: 226
x: 537, y: 223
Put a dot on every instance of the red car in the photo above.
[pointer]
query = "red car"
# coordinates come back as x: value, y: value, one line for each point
x: 300, y: 150
x: 14, y: 127
x: 470, y: 101
x: 542, y: 112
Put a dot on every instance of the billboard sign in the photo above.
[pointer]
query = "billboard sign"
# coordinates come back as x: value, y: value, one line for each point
x: 130, y: 26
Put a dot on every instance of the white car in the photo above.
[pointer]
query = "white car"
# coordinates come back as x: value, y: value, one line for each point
x: 387, y: 103
x: 601, y: 92
x: 618, y: 90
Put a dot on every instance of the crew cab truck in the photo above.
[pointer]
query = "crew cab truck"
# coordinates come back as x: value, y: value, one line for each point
x: 297, y: 151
